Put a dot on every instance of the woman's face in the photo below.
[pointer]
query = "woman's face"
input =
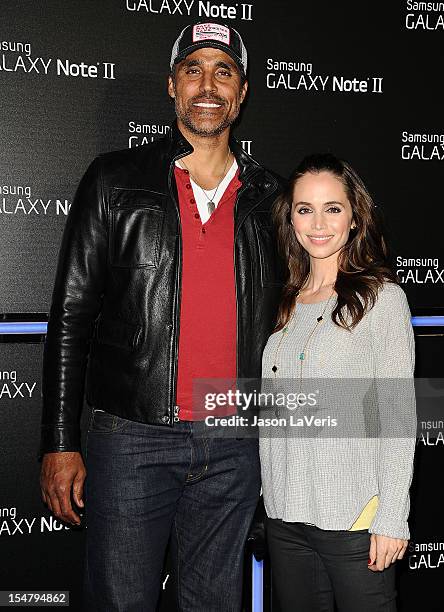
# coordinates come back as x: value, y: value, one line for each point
x: 321, y: 214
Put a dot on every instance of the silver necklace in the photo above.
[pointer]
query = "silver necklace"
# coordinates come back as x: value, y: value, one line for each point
x: 210, y: 204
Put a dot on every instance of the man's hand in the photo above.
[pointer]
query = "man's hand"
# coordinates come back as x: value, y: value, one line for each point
x: 384, y: 551
x: 62, y: 472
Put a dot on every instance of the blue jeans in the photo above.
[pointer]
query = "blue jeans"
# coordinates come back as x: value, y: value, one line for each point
x: 146, y: 483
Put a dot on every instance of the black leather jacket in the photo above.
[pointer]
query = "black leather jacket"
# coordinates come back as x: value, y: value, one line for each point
x: 114, y: 320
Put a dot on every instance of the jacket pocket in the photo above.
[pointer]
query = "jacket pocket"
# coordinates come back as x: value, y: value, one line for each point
x: 271, y: 266
x: 115, y: 332
x: 136, y: 226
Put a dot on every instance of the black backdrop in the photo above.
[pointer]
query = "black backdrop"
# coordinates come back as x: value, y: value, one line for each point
x: 363, y: 80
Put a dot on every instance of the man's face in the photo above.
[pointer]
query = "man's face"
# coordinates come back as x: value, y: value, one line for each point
x: 207, y: 91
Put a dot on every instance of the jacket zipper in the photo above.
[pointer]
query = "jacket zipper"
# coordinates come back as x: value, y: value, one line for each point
x: 239, y: 193
x: 176, y: 328
x: 176, y: 414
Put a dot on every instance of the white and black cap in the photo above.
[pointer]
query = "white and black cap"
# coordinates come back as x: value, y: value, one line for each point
x: 215, y: 35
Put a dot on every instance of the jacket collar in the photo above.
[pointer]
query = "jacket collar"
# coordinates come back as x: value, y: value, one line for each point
x: 257, y: 183
x: 180, y: 147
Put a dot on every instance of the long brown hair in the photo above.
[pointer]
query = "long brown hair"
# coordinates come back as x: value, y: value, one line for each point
x: 363, y: 261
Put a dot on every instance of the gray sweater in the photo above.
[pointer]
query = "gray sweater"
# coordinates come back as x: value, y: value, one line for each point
x: 325, y: 480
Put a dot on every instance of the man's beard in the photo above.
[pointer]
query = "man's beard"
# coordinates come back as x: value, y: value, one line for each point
x: 186, y: 117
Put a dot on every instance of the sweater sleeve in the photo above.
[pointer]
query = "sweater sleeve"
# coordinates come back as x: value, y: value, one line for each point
x: 394, y: 358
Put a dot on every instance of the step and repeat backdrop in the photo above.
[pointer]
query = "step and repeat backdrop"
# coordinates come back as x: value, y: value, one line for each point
x: 362, y: 80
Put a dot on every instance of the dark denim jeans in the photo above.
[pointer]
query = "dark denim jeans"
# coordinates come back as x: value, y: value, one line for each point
x: 313, y: 568
x: 146, y: 483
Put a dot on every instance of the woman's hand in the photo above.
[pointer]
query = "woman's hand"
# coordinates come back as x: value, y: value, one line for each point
x: 384, y: 551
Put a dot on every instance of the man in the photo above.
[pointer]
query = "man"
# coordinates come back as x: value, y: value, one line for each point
x: 167, y: 273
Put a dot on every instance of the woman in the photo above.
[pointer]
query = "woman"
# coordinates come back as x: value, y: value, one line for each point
x: 337, y: 507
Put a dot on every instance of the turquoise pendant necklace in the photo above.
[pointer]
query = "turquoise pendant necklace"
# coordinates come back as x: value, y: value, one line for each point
x: 302, y: 355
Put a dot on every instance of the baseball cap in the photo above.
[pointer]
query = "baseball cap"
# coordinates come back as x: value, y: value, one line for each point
x: 214, y: 35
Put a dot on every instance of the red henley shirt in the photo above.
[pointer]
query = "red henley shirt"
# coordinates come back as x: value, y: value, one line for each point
x: 207, y: 336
